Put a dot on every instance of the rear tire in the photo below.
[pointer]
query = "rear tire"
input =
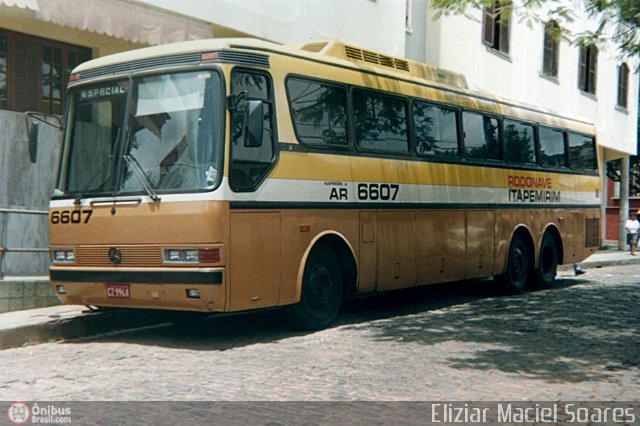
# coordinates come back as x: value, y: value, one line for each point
x: 544, y: 276
x: 514, y: 279
x: 321, y: 291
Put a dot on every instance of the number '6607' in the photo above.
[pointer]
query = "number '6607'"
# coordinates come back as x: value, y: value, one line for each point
x: 71, y: 216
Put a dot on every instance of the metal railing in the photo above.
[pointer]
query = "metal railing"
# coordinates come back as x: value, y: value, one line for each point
x: 4, y: 213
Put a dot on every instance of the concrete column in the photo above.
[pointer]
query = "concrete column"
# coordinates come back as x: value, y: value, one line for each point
x: 604, y: 198
x: 624, y: 202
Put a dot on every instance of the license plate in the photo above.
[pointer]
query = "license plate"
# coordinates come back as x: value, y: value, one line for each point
x: 118, y: 291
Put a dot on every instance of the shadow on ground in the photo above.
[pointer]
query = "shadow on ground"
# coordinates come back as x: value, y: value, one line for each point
x: 565, y: 334
x: 573, y: 332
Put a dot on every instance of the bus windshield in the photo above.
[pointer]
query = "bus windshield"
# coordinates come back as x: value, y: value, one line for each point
x: 169, y: 141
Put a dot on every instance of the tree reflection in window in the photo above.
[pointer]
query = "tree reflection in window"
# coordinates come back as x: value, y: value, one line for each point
x: 519, y: 142
x: 582, y: 152
x: 319, y: 112
x: 552, y: 148
x: 380, y: 122
x: 481, y: 136
x: 436, y: 130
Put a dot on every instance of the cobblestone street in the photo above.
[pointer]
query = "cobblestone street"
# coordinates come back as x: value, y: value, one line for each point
x: 577, y: 341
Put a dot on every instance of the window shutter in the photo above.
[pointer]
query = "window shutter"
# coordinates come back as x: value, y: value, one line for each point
x: 488, y: 26
x: 593, y: 69
x: 26, y: 78
x: 504, y: 32
x: 582, y: 69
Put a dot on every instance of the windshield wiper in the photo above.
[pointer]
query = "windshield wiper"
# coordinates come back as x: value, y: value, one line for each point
x: 142, y: 177
x: 77, y: 200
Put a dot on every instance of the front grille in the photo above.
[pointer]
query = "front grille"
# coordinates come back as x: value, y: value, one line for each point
x: 138, y: 256
x: 592, y: 232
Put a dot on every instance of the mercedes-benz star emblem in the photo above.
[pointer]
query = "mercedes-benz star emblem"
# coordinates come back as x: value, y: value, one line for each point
x: 115, y: 255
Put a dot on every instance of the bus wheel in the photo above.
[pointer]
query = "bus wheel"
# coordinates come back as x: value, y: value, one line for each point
x: 514, y: 280
x: 321, y: 291
x: 545, y: 274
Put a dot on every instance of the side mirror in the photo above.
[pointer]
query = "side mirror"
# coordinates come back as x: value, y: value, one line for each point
x: 253, y: 124
x: 34, y: 130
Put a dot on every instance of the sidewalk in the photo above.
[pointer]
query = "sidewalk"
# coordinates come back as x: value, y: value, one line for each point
x: 34, y: 326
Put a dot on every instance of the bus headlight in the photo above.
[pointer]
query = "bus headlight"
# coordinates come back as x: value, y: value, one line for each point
x: 63, y: 255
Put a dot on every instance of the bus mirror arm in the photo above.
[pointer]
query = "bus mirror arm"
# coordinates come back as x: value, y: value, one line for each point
x: 33, y: 120
x: 233, y: 101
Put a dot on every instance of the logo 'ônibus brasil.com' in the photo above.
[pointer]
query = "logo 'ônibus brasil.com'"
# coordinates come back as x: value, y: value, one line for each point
x: 18, y: 413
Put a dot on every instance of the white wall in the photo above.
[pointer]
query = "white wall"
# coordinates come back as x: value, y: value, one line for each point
x: 455, y: 43
x: 372, y: 24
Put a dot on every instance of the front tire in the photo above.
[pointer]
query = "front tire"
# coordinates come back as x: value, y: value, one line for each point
x: 321, y: 291
x: 514, y: 280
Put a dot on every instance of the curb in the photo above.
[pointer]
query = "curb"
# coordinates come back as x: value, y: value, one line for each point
x: 78, y: 325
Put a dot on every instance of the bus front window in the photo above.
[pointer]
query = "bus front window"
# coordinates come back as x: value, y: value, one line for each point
x: 89, y: 162
x: 172, y: 125
x: 172, y: 136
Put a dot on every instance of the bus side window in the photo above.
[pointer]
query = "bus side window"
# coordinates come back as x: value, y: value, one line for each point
x: 250, y: 164
x: 481, y: 136
x: 552, y: 148
x: 436, y: 130
x: 519, y: 141
x: 582, y: 152
x: 318, y: 112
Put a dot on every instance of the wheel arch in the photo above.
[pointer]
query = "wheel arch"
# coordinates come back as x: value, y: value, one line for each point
x: 346, y: 257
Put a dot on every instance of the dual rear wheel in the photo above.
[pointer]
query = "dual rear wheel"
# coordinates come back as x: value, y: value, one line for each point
x: 520, y: 273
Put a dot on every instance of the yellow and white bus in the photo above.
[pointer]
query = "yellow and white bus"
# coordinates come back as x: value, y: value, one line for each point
x: 235, y: 174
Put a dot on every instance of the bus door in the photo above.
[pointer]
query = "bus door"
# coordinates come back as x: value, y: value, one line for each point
x: 255, y: 235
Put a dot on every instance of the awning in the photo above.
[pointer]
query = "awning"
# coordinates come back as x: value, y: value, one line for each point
x: 22, y: 4
x: 123, y: 19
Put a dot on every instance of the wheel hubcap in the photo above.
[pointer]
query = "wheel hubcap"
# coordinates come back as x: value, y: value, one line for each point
x: 320, y: 288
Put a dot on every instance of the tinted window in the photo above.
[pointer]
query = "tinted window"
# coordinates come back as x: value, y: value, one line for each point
x: 319, y: 112
x: 552, y: 148
x: 582, y: 152
x: 519, y: 142
x: 436, y: 130
x: 481, y: 136
x: 380, y: 122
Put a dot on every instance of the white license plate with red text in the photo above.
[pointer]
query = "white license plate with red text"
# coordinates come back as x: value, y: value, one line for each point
x: 118, y: 291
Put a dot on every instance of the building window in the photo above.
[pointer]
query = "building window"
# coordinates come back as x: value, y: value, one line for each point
x: 551, y: 50
x: 34, y: 72
x: 496, y: 19
x: 623, y: 85
x: 588, y: 69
